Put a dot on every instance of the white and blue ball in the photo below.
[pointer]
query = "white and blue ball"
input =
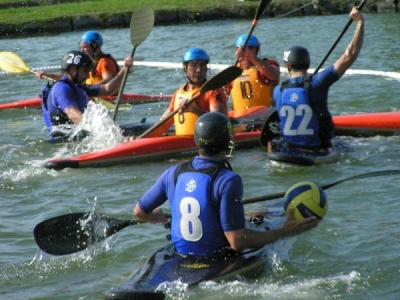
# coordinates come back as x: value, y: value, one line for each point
x: 307, y: 199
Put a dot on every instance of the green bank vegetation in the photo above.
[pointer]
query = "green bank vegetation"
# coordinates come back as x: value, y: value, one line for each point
x: 46, y: 12
x: 32, y: 11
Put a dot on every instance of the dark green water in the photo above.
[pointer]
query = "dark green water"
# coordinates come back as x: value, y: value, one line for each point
x: 353, y: 254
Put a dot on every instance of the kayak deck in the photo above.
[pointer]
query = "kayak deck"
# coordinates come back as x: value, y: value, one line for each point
x: 303, y: 158
x: 167, y: 266
x: 190, y: 270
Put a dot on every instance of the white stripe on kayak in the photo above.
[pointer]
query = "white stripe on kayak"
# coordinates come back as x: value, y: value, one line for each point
x: 170, y: 65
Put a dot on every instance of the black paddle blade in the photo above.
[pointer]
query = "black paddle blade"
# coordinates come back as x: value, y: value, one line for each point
x: 74, y: 232
x: 222, y: 78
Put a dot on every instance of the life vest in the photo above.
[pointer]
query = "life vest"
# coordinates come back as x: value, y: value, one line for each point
x: 185, y: 122
x: 95, y: 75
x: 248, y: 91
x: 298, y: 121
x: 58, y: 117
x: 196, y: 227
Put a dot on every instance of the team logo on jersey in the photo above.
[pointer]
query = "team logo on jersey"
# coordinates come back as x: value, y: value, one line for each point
x: 191, y: 186
x: 294, y: 97
x: 286, y: 55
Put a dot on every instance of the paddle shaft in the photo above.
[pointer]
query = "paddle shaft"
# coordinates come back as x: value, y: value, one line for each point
x: 359, y: 7
x: 219, y: 80
x: 64, y: 235
x: 327, y: 186
x: 121, y: 89
x: 142, y: 23
x: 260, y: 9
x: 170, y: 115
x: 43, y: 76
x: 296, y: 9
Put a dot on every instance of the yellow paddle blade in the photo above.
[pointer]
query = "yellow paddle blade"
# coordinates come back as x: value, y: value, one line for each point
x: 12, y: 63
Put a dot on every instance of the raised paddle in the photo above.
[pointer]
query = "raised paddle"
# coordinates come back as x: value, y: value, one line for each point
x: 142, y: 23
x: 260, y: 9
x: 360, y: 6
x: 10, y: 62
x: 74, y: 232
x: 219, y: 80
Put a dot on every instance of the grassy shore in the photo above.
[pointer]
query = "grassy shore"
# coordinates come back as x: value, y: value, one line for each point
x: 47, y: 12
x: 35, y: 16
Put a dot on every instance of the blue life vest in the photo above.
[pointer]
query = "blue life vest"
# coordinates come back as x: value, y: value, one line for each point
x: 298, y: 120
x: 196, y: 227
x: 58, y: 117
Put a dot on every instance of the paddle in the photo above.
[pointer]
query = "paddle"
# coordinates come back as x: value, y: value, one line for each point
x: 219, y: 80
x: 142, y: 23
x: 74, y: 232
x: 70, y: 233
x: 360, y: 6
x: 13, y: 63
x: 326, y: 186
x: 10, y: 62
x: 260, y: 9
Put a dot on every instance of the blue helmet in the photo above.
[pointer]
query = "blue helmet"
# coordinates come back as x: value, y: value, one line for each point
x: 92, y: 38
x: 253, y: 41
x: 195, y: 54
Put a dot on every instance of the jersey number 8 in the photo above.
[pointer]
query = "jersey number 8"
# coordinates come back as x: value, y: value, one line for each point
x: 190, y: 225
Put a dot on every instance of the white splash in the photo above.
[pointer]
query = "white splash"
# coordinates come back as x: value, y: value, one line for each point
x: 315, y: 288
x: 175, y: 289
x: 104, y: 133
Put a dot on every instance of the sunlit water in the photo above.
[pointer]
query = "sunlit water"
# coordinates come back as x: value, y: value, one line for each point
x: 353, y: 254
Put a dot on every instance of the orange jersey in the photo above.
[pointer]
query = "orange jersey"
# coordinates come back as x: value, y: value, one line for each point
x: 185, y: 123
x: 106, y: 64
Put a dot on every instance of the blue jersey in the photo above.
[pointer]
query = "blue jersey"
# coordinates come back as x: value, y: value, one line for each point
x: 202, y: 207
x: 301, y: 109
x: 63, y: 94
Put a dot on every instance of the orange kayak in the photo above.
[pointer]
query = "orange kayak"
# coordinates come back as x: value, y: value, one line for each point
x: 368, y: 124
x: 162, y: 147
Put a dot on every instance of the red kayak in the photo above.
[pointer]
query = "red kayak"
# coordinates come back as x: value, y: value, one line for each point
x: 146, y: 149
x: 163, y: 146
x: 126, y: 98
x: 368, y: 124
